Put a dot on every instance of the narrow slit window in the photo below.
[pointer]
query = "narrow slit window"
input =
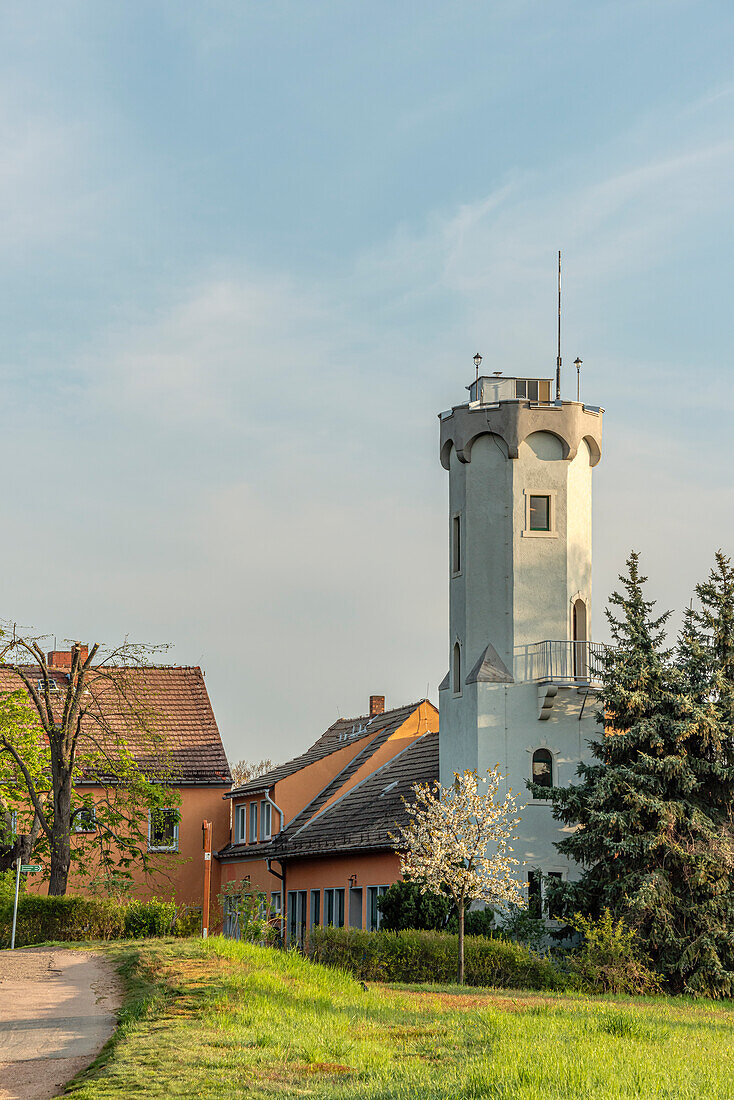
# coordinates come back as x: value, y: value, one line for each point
x: 456, y: 671
x: 456, y: 545
x: 540, y: 513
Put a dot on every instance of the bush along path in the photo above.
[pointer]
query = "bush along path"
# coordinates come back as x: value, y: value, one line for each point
x: 71, y: 919
x: 219, y: 1019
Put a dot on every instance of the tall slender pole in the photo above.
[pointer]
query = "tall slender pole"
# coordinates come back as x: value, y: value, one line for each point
x: 558, y: 360
x: 15, y: 907
x: 207, y: 827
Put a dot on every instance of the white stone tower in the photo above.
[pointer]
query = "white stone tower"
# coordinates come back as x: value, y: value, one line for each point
x: 519, y: 692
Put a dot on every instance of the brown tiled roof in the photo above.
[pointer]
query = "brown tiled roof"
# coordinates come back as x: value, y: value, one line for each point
x: 180, y: 713
x: 342, y: 733
x: 365, y: 816
x: 373, y: 732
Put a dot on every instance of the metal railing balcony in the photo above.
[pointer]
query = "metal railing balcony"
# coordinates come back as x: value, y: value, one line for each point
x: 559, y: 662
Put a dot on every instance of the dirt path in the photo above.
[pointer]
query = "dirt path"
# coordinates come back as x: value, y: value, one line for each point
x: 56, y: 1012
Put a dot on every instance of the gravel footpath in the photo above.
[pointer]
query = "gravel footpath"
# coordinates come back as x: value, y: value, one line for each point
x: 57, y: 1010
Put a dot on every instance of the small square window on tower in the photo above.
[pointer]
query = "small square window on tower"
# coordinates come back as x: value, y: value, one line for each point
x: 540, y: 513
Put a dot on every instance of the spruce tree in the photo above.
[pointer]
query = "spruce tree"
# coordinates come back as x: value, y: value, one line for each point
x: 649, y: 848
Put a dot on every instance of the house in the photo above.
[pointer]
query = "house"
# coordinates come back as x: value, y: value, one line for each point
x: 196, y: 767
x: 341, y: 860
x: 335, y: 864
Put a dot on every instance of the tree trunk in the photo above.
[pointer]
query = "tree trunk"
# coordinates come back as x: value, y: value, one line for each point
x: 60, y: 859
x: 60, y: 842
x: 461, y: 943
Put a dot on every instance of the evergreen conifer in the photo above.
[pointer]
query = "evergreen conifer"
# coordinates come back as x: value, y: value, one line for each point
x: 653, y: 847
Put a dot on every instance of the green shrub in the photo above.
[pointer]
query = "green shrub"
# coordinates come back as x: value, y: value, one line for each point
x: 610, y: 959
x: 404, y: 906
x: 188, y: 921
x: 143, y: 919
x: 7, y: 886
x: 70, y: 918
x: 477, y: 922
x: 420, y: 956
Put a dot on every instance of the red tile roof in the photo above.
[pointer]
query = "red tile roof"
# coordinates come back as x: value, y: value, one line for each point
x: 180, y: 714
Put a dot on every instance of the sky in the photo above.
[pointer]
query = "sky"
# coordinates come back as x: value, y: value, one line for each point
x: 248, y: 250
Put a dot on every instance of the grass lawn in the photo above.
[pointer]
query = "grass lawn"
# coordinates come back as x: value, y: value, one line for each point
x: 221, y: 1020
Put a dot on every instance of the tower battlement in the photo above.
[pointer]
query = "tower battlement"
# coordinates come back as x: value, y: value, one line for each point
x: 513, y: 419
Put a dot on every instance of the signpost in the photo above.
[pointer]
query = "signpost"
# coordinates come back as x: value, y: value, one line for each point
x: 29, y: 869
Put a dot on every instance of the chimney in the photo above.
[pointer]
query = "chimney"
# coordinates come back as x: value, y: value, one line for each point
x: 377, y: 705
x: 61, y: 658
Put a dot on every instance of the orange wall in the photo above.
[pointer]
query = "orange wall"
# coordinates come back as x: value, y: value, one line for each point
x: 297, y: 790
x: 371, y: 869
x: 178, y: 876
x: 254, y: 869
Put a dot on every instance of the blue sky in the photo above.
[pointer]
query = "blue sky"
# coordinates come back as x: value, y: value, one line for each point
x: 249, y: 249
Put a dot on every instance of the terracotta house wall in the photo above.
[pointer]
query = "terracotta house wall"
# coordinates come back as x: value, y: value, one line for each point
x: 370, y: 869
x: 257, y: 871
x: 296, y: 791
x: 181, y: 875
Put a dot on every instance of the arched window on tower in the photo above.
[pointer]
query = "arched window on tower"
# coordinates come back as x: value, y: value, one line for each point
x: 543, y: 767
x: 456, y: 670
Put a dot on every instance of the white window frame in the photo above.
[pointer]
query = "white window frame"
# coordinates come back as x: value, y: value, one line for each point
x: 240, y: 823
x: 552, y: 533
x: 164, y: 847
x: 77, y: 817
x: 252, y: 820
x: 266, y: 820
x: 378, y: 891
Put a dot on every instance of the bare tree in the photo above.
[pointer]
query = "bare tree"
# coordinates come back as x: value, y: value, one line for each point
x: 244, y: 770
x: 80, y: 756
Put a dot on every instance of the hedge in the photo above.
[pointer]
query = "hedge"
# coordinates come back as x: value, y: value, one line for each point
x: 70, y: 917
x: 413, y: 956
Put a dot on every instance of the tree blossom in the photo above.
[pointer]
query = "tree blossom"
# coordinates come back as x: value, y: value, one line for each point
x: 458, y: 841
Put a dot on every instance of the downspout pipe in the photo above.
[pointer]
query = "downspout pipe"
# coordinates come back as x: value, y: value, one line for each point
x: 284, y: 903
x: 276, y: 807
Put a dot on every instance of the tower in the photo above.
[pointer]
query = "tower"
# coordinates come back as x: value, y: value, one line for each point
x: 521, y: 663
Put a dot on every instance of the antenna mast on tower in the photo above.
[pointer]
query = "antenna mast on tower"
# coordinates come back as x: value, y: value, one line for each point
x: 558, y: 360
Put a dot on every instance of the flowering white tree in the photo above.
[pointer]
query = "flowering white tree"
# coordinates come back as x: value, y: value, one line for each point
x: 458, y: 841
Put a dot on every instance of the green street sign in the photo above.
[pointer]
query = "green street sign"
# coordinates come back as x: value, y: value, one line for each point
x: 32, y: 867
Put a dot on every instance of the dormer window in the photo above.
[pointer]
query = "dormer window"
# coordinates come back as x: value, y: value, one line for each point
x: 240, y: 824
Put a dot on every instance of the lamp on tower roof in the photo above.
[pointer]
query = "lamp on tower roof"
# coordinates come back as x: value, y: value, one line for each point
x: 577, y: 363
x: 477, y: 363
